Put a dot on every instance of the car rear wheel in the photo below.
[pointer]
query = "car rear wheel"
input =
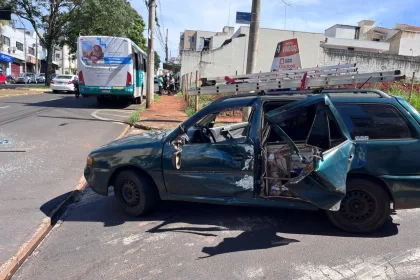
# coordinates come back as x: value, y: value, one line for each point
x: 364, y: 209
x: 55, y: 91
x: 136, y: 193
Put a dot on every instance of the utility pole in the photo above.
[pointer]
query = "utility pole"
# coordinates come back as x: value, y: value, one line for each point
x: 36, y: 54
x: 254, y: 31
x: 151, y: 54
x: 166, y: 46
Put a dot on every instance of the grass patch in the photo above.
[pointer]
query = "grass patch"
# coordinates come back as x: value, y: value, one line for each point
x: 179, y: 94
x: 135, y: 115
x: 157, y: 97
x: 203, y: 101
x: 415, y: 97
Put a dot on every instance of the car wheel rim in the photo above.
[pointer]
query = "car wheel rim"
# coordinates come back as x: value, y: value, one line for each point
x: 130, y: 193
x: 358, y: 207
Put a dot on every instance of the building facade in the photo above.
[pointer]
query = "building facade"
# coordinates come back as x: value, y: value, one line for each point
x: 16, y: 43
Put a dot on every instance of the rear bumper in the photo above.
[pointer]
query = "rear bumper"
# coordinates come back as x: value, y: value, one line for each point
x: 406, y: 190
x: 96, y: 90
x: 97, y: 179
x: 63, y: 87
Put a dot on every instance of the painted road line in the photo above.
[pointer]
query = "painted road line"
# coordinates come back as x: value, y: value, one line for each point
x: 4, y: 107
x: 8, y: 268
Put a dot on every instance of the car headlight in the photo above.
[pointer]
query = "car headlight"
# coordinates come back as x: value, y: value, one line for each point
x: 89, y: 161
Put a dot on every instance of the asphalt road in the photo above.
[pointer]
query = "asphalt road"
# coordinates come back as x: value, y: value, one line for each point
x: 95, y: 240
x: 44, y: 141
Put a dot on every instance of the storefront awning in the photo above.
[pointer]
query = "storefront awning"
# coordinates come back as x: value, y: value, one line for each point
x: 5, y: 57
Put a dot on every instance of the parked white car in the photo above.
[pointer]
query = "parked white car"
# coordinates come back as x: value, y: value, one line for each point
x: 63, y: 83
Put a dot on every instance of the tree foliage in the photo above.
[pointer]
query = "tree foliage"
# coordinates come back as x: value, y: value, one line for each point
x: 106, y: 18
x: 48, y: 18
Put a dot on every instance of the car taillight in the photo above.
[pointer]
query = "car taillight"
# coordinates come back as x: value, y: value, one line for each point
x: 129, y: 79
x: 69, y: 82
x: 52, y: 82
x: 81, y: 80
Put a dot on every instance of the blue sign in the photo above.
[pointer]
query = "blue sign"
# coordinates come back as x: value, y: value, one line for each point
x: 243, y: 18
x: 5, y: 57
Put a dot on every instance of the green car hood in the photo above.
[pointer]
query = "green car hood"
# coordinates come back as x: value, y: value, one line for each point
x: 133, y: 142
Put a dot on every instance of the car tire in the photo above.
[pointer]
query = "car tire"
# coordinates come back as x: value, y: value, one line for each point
x: 136, y: 193
x: 364, y: 209
x: 55, y: 91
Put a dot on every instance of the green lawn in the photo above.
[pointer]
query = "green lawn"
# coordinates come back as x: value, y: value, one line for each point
x: 415, y: 97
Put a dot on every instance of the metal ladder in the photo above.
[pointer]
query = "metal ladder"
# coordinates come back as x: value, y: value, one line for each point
x: 317, y: 77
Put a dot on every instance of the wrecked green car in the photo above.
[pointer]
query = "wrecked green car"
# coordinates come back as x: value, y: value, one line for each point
x: 344, y: 151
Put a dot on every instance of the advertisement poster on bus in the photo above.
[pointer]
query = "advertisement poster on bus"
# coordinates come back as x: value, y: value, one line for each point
x: 104, y: 50
x: 286, y: 56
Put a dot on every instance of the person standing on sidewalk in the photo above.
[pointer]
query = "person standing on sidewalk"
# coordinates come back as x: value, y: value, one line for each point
x: 160, y: 84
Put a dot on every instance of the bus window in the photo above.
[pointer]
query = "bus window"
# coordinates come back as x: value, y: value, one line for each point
x: 144, y: 64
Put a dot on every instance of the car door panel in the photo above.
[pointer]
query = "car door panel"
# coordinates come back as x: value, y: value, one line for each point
x: 212, y: 170
x: 323, y: 181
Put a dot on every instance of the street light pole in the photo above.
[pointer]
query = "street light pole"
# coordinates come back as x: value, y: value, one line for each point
x: 151, y: 54
x: 24, y: 48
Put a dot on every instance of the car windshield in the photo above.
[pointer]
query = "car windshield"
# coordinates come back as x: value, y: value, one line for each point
x: 41, y: 75
x: 64, y: 77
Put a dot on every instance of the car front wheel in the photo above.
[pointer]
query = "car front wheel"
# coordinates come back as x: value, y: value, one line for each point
x: 135, y: 192
x: 364, y: 209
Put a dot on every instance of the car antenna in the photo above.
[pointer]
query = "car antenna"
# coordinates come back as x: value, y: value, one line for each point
x: 365, y: 82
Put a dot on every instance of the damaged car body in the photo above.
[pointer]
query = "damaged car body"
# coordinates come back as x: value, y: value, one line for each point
x: 294, y: 151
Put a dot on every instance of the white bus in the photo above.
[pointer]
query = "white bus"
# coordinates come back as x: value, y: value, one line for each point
x: 111, y: 67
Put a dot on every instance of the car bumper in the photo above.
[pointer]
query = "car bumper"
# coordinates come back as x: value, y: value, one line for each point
x: 97, y: 179
x: 62, y: 87
x: 405, y: 189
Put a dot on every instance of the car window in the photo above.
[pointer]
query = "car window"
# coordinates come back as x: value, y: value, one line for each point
x: 374, y: 121
x: 64, y: 77
x: 230, y: 116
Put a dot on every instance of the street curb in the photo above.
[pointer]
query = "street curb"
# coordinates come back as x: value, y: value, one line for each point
x: 25, y: 250
x: 20, y: 94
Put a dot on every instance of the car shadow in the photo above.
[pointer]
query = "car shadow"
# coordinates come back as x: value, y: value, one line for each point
x: 71, y: 102
x: 259, y: 228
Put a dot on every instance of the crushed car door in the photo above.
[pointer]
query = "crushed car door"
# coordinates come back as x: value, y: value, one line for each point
x: 321, y: 176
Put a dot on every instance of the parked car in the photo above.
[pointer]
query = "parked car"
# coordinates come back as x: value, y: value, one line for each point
x: 40, y: 78
x: 3, y: 78
x: 63, y: 83
x: 26, y: 78
x: 350, y: 153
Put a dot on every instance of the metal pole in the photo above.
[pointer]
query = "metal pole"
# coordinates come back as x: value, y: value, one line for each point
x: 151, y: 54
x: 166, y: 46
x: 36, y: 54
x: 252, y: 45
x: 196, y: 86
x: 412, y: 86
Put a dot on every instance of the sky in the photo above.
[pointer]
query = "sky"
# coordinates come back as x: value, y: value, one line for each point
x: 301, y: 15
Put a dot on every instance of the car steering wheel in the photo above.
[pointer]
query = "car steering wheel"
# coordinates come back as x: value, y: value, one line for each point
x: 207, y: 134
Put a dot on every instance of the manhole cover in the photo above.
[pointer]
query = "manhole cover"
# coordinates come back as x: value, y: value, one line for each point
x: 5, y: 142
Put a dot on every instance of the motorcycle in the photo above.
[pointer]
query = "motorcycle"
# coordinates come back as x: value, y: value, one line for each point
x: 10, y: 80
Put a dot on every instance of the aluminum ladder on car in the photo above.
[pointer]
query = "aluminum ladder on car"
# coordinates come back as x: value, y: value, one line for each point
x: 316, y: 77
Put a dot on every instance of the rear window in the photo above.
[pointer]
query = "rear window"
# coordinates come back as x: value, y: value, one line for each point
x: 64, y: 77
x: 374, y: 121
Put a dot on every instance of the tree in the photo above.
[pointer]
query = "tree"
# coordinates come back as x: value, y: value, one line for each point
x: 48, y: 18
x: 157, y: 61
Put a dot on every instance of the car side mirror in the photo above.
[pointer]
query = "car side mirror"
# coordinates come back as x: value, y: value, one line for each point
x: 176, y: 160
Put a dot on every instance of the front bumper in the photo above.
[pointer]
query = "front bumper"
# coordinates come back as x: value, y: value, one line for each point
x: 97, y: 179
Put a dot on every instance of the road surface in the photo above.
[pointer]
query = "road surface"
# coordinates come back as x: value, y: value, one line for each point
x: 95, y: 240
x: 44, y: 141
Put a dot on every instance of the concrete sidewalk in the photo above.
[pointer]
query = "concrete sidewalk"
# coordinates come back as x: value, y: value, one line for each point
x: 168, y: 112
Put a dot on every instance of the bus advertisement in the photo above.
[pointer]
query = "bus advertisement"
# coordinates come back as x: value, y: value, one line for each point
x: 111, y: 68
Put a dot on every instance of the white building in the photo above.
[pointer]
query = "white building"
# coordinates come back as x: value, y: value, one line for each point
x: 67, y: 64
x: 17, y: 41
x: 231, y: 56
